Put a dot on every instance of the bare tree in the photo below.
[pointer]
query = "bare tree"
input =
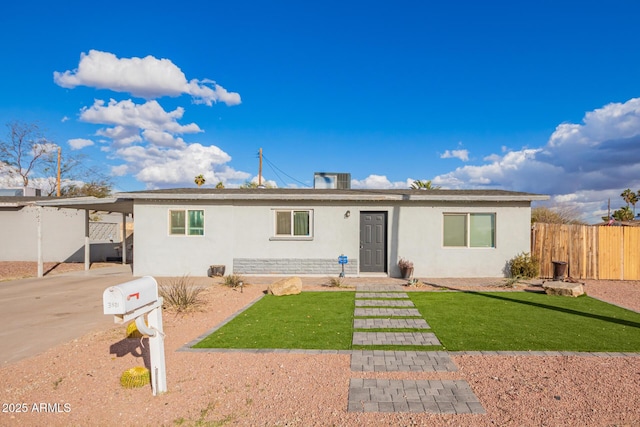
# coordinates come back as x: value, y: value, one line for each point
x: 99, y: 188
x: 560, y: 214
x: 28, y: 154
x: 24, y: 149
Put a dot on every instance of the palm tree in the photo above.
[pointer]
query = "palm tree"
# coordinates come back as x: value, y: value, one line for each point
x: 626, y: 195
x: 199, y: 180
x: 633, y: 200
x: 630, y: 198
x: 623, y: 214
x: 424, y: 185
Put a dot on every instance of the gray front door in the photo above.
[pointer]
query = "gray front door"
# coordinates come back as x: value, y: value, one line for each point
x: 373, y: 242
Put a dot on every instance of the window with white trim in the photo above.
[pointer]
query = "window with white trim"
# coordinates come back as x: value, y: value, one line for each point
x: 293, y: 223
x: 189, y: 222
x: 472, y: 230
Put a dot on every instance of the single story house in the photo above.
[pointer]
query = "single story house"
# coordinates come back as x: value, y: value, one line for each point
x: 445, y: 233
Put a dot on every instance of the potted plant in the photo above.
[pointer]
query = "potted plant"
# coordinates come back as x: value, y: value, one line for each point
x: 406, y: 268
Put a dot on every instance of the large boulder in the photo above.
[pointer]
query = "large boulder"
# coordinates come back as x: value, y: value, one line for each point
x: 287, y: 286
x: 557, y: 287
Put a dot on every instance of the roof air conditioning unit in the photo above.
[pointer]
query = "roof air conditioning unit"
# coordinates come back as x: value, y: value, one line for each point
x: 332, y: 180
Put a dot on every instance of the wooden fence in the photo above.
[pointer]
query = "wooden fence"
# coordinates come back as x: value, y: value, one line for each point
x: 591, y: 252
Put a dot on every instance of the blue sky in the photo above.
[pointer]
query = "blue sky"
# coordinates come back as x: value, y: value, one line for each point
x: 535, y: 96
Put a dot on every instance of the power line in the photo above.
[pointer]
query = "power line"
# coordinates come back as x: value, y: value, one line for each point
x: 273, y: 167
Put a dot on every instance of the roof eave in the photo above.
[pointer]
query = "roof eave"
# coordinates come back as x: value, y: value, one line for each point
x: 374, y: 197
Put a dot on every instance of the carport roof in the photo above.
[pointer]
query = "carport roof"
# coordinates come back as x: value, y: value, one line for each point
x: 107, y: 204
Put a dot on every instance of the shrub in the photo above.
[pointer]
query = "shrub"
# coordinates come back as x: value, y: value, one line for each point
x: 415, y: 283
x: 524, y: 266
x: 181, y: 294
x: 337, y: 282
x: 233, y: 280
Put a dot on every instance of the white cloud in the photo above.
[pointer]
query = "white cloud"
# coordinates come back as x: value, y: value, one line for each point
x: 266, y: 182
x: 146, y: 77
x: 581, y: 163
x: 160, y: 167
x: 456, y: 154
x: 149, y: 115
x: 121, y: 135
x: 163, y: 139
x: 8, y: 177
x: 120, y: 170
x: 380, y: 182
x: 79, y: 143
x: 129, y: 119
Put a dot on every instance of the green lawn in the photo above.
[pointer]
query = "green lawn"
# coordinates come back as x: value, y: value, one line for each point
x: 310, y: 320
x: 461, y: 320
x: 527, y: 321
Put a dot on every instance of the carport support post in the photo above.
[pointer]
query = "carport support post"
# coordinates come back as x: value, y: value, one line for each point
x: 156, y: 350
x: 87, y: 247
x: 124, y: 238
x: 39, y: 232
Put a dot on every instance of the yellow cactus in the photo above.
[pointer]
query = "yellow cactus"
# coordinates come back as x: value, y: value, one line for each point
x: 132, y: 331
x: 135, y: 377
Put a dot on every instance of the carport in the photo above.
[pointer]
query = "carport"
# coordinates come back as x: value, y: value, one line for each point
x: 88, y: 204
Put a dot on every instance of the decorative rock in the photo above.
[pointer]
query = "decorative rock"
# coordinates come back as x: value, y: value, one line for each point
x: 563, y: 288
x: 287, y: 286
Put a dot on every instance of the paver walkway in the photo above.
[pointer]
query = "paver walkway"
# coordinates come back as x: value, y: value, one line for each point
x: 395, y: 338
x: 384, y: 303
x: 386, y: 312
x: 398, y: 361
x: 380, y: 323
x: 382, y: 395
x: 381, y: 295
x: 439, y: 396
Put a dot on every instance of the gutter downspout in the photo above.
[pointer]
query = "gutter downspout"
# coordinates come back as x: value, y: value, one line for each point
x: 124, y: 238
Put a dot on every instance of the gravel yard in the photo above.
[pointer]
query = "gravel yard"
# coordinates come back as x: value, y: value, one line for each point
x: 77, y: 383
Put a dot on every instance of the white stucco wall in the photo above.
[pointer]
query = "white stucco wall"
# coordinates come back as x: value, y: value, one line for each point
x: 62, y: 234
x: 246, y: 230
x: 421, y: 240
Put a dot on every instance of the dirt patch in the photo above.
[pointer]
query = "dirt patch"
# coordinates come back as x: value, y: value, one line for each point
x: 77, y: 383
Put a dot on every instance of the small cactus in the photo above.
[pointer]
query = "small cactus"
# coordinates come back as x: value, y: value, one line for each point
x: 132, y: 331
x: 135, y: 377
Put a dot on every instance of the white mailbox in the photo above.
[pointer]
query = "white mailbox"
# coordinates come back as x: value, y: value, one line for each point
x: 130, y: 296
x: 133, y: 301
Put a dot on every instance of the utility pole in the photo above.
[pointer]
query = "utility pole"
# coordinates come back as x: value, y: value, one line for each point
x: 58, y: 179
x: 260, y: 169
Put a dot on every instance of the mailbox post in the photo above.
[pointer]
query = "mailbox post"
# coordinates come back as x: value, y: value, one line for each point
x: 131, y: 301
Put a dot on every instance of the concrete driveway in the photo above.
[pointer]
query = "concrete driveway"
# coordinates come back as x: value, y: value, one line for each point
x: 37, y: 314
